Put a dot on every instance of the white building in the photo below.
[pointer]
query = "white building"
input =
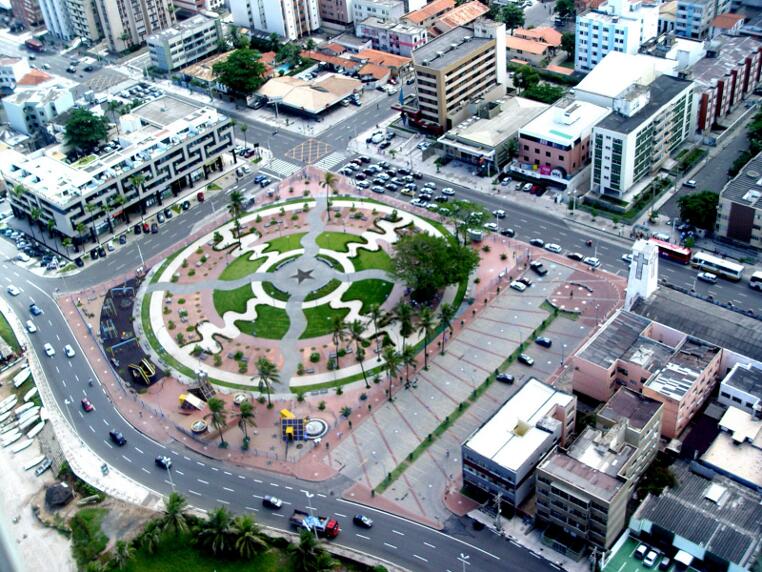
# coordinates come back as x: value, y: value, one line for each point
x: 11, y: 72
x: 383, y: 9
x: 394, y: 37
x: 39, y: 98
x: 56, y: 16
x: 616, y: 26
x: 127, y: 23
x: 186, y: 43
x: 291, y: 19
x: 196, y: 6
x: 742, y: 388
x: 500, y: 456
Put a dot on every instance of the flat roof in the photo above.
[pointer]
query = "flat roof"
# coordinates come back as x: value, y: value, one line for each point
x: 746, y: 378
x: 512, y: 434
x: 612, y: 341
x: 636, y: 408
x: 718, y: 514
x: 581, y: 476
x: 603, y: 450
x: 683, y: 369
x: 565, y: 122
x: 465, y: 43
x: 616, y: 72
x: 192, y: 24
x: 737, y: 449
x: 746, y: 187
x: 733, y: 49
x: 402, y: 27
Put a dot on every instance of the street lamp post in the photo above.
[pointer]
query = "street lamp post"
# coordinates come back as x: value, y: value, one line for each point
x: 464, y: 559
x: 312, y: 510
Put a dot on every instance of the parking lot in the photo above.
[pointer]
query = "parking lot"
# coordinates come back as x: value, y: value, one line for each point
x: 625, y: 561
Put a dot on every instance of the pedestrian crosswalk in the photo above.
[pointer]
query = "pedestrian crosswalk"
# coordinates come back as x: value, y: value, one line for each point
x: 281, y: 167
x: 330, y: 161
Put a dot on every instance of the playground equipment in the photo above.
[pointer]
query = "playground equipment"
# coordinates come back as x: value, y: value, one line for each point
x: 190, y: 401
x: 144, y: 371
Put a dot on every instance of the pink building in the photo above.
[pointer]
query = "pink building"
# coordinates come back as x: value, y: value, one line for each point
x: 664, y: 364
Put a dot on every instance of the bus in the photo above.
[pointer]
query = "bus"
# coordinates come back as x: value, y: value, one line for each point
x: 718, y: 266
x: 675, y: 252
x: 755, y: 281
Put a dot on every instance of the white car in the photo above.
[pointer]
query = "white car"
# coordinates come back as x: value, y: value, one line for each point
x: 552, y: 247
x: 707, y: 277
x: 491, y: 226
x: 13, y: 291
x: 69, y: 351
x: 627, y: 257
x: 518, y: 286
x: 377, y: 137
x: 31, y: 328
x: 448, y: 192
x: 22, y: 257
x: 592, y: 261
x: 650, y: 559
x: 690, y: 183
x: 499, y: 213
x: 49, y: 350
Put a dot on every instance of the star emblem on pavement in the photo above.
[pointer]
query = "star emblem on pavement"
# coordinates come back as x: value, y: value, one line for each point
x: 302, y: 275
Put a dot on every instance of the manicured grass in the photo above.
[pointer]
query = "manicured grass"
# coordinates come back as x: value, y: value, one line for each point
x: 276, y: 293
x: 271, y: 323
x: 232, y: 300
x: 241, y: 267
x: 338, y: 241
x: 326, y: 288
x: 320, y: 320
x: 87, y: 538
x: 7, y: 334
x: 367, y: 259
x: 371, y: 292
x: 285, y: 243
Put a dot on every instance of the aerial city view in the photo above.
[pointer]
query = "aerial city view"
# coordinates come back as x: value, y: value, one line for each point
x: 381, y: 285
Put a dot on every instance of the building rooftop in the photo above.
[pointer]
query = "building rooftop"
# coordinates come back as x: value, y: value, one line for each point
x: 617, y: 71
x: 727, y: 21
x: 614, y: 340
x: 381, y: 58
x: 728, y: 52
x: 746, y: 187
x: 449, y: 48
x: 312, y: 96
x: 746, y: 378
x: 663, y: 89
x: 737, y: 450
x: 545, y: 34
x: 520, y: 426
x: 399, y: 27
x: 203, y: 70
x: 40, y: 87
x: 430, y: 10
x: 604, y: 450
x: 565, y: 122
x: 525, y: 45
x: 581, y: 476
x: 683, y: 369
x: 191, y: 25
x: 385, y: 3
x: 710, y: 322
x: 628, y: 405
x: 460, y: 16
x: 723, y: 517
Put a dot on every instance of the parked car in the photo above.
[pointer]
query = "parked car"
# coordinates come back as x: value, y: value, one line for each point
x: 543, y: 341
x: 491, y: 226
x: 591, y: 261
x: 538, y: 268
x: 518, y: 286
x: 690, y: 183
x: 650, y: 558
x: 641, y: 551
x: 509, y: 232
x: 499, y: 213
x: 505, y: 378
x: 525, y: 281
x: 137, y: 229
x: 707, y: 277
x: 552, y: 247
x: 160, y: 218
x: 627, y: 257
x: 185, y: 205
x: 575, y: 256
x: 154, y: 228
x: 537, y: 242
x: 526, y: 359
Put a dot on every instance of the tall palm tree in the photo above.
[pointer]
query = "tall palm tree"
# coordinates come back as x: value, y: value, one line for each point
x: 446, y: 314
x: 34, y: 215
x: 249, y: 538
x: 137, y: 181
x: 19, y: 191
x: 425, y: 327
x: 329, y: 184
x: 111, y: 107
x: 244, y: 128
x: 119, y: 202
x: 218, y: 416
x: 67, y: 243
x: 50, y: 224
x: 268, y: 374
x: 245, y: 417
x: 404, y: 315
x: 407, y: 358
x: 235, y: 208
x: 305, y: 553
x: 123, y: 553
x: 216, y: 532
x: 81, y: 228
x: 356, y: 333
x: 339, y: 333
x: 392, y: 359
x: 90, y: 208
x: 376, y: 315
x: 150, y: 538
x: 174, y: 517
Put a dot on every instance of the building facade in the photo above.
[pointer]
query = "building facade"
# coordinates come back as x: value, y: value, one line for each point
x: 336, y: 12
x: 11, y: 72
x: 84, y: 20
x: 56, y: 16
x: 197, y: 6
x: 171, y: 143
x: 27, y: 12
x: 742, y: 388
x: 397, y: 38
x: 739, y: 211
x: 186, y: 42
x: 694, y: 17
x: 128, y: 23
x: 290, y: 19
x: 383, y: 9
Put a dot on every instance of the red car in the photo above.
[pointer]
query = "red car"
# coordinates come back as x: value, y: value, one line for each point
x: 86, y: 405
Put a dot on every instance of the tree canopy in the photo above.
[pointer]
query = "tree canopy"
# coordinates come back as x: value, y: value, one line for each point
x: 465, y: 215
x: 699, y: 209
x: 525, y: 77
x: 544, y: 92
x: 428, y: 263
x: 241, y: 72
x: 290, y: 53
x: 565, y: 8
x: 510, y: 14
x: 568, y: 43
x: 85, y: 130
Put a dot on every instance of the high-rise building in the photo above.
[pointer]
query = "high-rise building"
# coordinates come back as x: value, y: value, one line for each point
x: 290, y: 19
x: 186, y: 42
x: 84, y: 20
x: 56, y: 16
x: 694, y: 17
x: 196, y: 6
x: 127, y: 23
x: 27, y: 12
x: 384, y: 9
x: 398, y: 38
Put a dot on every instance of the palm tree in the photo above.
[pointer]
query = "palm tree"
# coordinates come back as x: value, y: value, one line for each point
x: 120, y: 201
x: 50, y: 224
x: 175, y: 514
x: 305, y: 553
x: 356, y: 333
x: 90, y: 208
x: 339, y: 332
x: 150, y: 538
x: 249, y: 538
x: 376, y: 315
x: 81, y: 228
x: 123, y: 553
x: 34, y: 215
x: 218, y: 416
x: 216, y: 532
x: 407, y: 357
x: 235, y: 208
x: 67, y: 243
x: 329, y: 184
x: 268, y: 374
x: 111, y: 108
x: 404, y: 315
x: 245, y: 418
x: 137, y: 181
x: 392, y: 359
x: 19, y: 191
x: 244, y: 128
x: 425, y: 326
x: 446, y: 314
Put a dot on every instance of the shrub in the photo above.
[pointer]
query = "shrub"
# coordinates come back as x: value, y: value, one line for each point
x: 321, y: 405
x: 503, y: 256
x: 192, y: 272
x: 294, y: 216
x: 238, y: 356
x: 199, y: 250
x: 314, y: 357
x: 87, y: 538
x: 180, y: 339
x: 197, y: 351
x: 242, y: 367
x: 184, y: 264
x: 258, y: 219
x: 217, y: 238
x: 486, y: 248
x: 204, y: 259
x: 300, y: 369
x: 346, y: 411
x: 339, y: 390
x: 300, y: 396
x: 181, y: 300
x: 217, y: 360
x: 170, y: 325
x: 261, y: 399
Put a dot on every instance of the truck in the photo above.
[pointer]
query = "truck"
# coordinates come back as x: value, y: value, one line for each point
x: 34, y: 45
x: 323, y: 525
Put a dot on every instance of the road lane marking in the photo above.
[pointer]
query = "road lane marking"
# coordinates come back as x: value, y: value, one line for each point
x: 258, y: 496
x: 279, y: 515
x: 287, y: 487
x: 106, y: 424
x: 202, y: 481
x: 228, y: 489
x: 257, y: 481
x: 242, y: 477
x: 214, y: 468
x: 390, y: 545
x: 179, y: 472
x: 138, y: 450
x: 274, y: 485
x: 398, y: 532
x: 228, y: 473
x: 340, y: 515
x: 429, y: 545
x: 419, y: 557
x: 145, y: 470
x: 362, y: 536
x: 91, y: 428
x: 322, y: 496
x: 251, y: 508
x: 126, y: 459
x: 222, y: 501
x: 194, y: 493
x: 200, y: 463
x: 535, y: 555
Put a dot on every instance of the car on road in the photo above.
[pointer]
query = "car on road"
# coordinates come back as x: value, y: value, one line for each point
x: 509, y: 232
x: 499, y: 213
x: 591, y: 261
x: 69, y: 351
x: 707, y: 277
x: 50, y: 350
x: 13, y: 291
x: 518, y: 286
x: 627, y: 257
x: 117, y: 438
x: 526, y: 359
x: 362, y: 521
x: 430, y: 185
x: 34, y: 309
x: 650, y: 559
x: 505, y: 378
x: 690, y: 183
x: 30, y: 327
x: 537, y: 242
x: 543, y: 341
x: 578, y: 256
x: 448, y: 191
x: 272, y: 502
x: 538, y: 268
x: 491, y: 226
x: 86, y: 405
x: 552, y: 247
x: 163, y: 461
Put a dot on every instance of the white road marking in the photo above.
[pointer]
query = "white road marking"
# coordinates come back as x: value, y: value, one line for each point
x: 91, y: 428
x: 139, y: 451
x: 257, y: 481
x: 179, y: 472
x: 251, y: 508
x: 362, y: 536
x: 194, y: 493
x: 202, y: 481
x: 242, y: 477
x: 222, y: 501
x: 429, y: 545
x: 200, y: 463
x: 228, y: 489
x: 145, y: 470
x: 390, y: 545
x: 322, y: 496
x: 398, y: 532
x: 279, y: 515
x: 214, y: 468
x: 126, y: 459
x: 419, y: 557
x: 274, y: 485
x: 227, y: 473
x: 340, y: 515
x: 257, y: 496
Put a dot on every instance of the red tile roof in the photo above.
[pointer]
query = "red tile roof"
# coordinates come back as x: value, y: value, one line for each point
x: 383, y: 58
x: 35, y: 77
x: 545, y: 34
x: 560, y: 69
x: 526, y: 46
x: 267, y: 58
x: 727, y: 21
x: 431, y: 10
x: 334, y: 60
x: 462, y: 15
x: 333, y: 47
x: 378, y: 72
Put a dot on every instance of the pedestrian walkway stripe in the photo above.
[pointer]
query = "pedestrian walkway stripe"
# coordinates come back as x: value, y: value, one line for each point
x: 330, y: 161
x: 281, y: 167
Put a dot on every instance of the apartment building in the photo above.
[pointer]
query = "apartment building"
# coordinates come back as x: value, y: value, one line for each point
x: 616, y: 26
x: 56, y: 16
x: 458, y: 67
x: 383, y: 9
x: 694, y: 17
x: 127, y: 24
x: 461, y: 15
x: 84, y: 20
x: 399, y: 38
x: 742, y: 388
x: 428, y: 14
x: 499, y: 458
x: 27, y: 12
x: 186, y: 42
x: 172, y: 143
x: 290, y: 19
x: 11, y: 72
x: 739, y: 211
x: 582, y: 491
x: 198, y: 6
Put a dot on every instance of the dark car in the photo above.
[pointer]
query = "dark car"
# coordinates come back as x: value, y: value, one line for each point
x: 168, y: 213
x: 505, y: 378
x: 509, y: 232
x: 186, y: 205
x: 163, y: 461
x: 34, y: 309
x: 543, y: 341
x: 137, y: 229
x: 385, y: 144
x: 363, y: 521
x: 417, y: 175
x: 361, y: 176
x: 122, y: 239
x: 364, y: 159
x: 101, y: 252
x: 88, y: 68
x: 525, y: 281
x: 575, y: 256
x: 538, y: 268
x: 526, y: 359
x: 79, y: 263
x: 94, y: 254
x: 154, y: 228
x: 272, y: 502
x: 537, y: 242
x: 117, y: 438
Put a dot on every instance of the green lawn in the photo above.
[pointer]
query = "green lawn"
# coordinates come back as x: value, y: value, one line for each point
x: 87, y: 538
x: 271, y: 323
x: 7, y: 334
x: 320, y: 320
x: 276, y: 293
x: 371, y: 292
x: 232, y: 300
x: 338, y: 241
x: 367, y: 259
x: 285, y: 243
x: 329, y: 286
x: 241, y: 267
